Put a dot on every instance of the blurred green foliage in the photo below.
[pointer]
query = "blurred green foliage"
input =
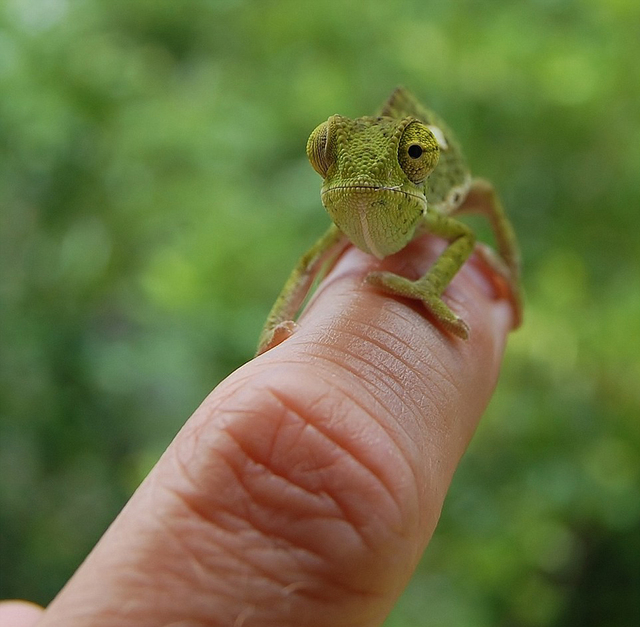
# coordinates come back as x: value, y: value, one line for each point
x: 154, y: 193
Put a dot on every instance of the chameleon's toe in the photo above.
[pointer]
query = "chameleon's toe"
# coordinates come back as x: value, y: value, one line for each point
x: 445, y: 317
x: 456, y: 326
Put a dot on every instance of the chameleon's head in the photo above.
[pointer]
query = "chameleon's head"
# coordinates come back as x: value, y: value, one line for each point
x: 374, y: 172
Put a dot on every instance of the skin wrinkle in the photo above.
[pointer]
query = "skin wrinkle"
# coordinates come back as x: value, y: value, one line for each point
x: 319, y: 357
x: 379, y: 345
x: 444, y: 428
x: 423, y: 381
x: 342, y: 583
x: 433, y: 366
x: 388, y: 347
x: 434, y: 424
x: 288, y: 402
x: 374, y: 375
x: 348, y: 395
x: 161, y: 521
x: 252, y: 497
x: 242, y: 557
x: 379, y: 402
x: 413, y: 497
x: 246, y: 557
x: 201, y: 487
x: 192, y: 562
x: 442, y: 367
x: 316, y: 469
x: 171, y: 575
x: 332, y: 382
x: 331, y: 362
x: 338, y: 344
x: 247, y: 519
x: 426, y: 360
x: 419, y: 489
x: 407, y: 305
x: 423, y: 387
x: 386, y: 426
x: 270, y: 454
x: 231, y: 385
x: 305, y: 424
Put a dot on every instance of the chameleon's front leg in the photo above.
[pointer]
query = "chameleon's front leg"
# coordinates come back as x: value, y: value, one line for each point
x: 429, y: 288
x: 280, y: 318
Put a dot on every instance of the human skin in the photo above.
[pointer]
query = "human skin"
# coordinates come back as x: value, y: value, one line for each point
x: 305, y: 488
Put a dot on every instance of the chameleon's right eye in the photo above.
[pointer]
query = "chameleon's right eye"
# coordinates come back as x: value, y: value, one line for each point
x: 317, y: 149
x: 418, y: 152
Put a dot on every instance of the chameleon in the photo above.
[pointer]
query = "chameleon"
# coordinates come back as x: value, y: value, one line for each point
x: 388, y: 179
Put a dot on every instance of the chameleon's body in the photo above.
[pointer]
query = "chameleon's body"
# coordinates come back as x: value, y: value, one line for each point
x: 388, y: 179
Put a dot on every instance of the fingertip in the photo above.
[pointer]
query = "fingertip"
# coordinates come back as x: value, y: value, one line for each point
x: 477, y: 293
x: 19, y: 613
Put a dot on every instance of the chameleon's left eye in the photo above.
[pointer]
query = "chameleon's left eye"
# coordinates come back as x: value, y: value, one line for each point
x: 317, y: 149
x: 418, y: 152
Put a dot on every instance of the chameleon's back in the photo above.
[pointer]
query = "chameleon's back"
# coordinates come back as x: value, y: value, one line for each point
x: 448, y: 184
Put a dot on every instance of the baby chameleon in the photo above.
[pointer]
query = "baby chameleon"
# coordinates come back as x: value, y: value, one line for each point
x: 387, y: 180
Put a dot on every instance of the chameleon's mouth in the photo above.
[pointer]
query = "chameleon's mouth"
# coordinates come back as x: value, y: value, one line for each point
x: 396, y: 189
x: 378, y: 219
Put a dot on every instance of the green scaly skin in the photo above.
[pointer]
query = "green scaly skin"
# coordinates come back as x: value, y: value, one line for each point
x: 387, y: 180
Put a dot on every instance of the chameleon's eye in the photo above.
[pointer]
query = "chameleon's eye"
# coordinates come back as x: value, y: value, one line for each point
x: 418, y: 152
x: 317, y: 149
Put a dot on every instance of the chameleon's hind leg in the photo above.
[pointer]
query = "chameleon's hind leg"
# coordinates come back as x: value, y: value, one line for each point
x: 279, y: 324
x: 483, y: 200
x: 430, y: 287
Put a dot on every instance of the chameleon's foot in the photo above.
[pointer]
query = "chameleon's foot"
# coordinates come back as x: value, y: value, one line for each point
x: 275, y: 336
x: 421, y: 290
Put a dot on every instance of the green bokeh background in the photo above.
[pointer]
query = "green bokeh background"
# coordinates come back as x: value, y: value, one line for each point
x: 154, y: 194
